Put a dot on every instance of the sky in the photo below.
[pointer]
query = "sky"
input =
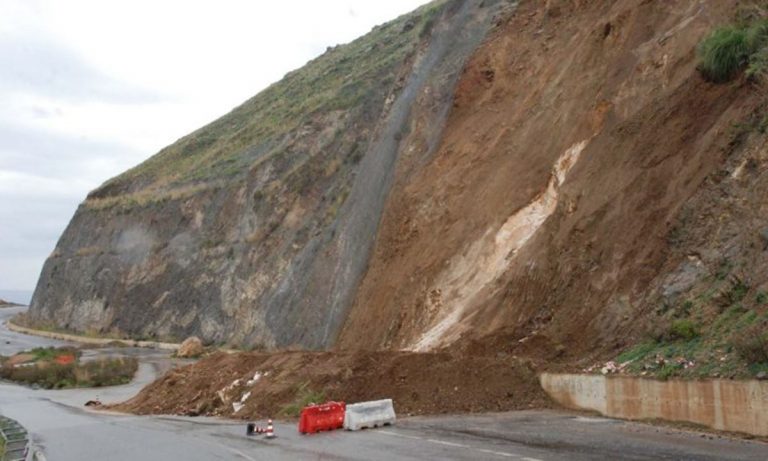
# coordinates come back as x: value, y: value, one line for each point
x: 89, y: 89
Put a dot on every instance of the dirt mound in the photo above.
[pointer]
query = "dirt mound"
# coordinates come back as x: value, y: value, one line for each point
x: 266, y: 384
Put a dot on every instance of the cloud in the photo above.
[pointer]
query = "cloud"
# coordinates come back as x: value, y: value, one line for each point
x: 49, y: 154
x: 38, y: 66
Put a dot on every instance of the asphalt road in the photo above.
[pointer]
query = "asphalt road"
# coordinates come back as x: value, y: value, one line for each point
x: 67, y: 431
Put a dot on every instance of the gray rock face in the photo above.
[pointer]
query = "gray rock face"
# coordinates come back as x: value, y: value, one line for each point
x: 271, y: 256
x: 681, y: 280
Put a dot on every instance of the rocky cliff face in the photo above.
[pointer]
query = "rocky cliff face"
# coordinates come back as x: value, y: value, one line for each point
x: 256, y: 229
x: 542, y: 181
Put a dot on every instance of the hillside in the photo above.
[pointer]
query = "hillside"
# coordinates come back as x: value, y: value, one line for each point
x: 254, y: 230
x: 542, y: 185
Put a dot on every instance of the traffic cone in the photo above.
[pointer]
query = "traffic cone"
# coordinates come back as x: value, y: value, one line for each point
x: 270, y: 430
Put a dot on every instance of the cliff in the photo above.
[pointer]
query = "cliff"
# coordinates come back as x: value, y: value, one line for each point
x: 255, y: 230
x: 552, y: 179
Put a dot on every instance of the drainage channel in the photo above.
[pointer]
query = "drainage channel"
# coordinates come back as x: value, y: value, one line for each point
x: 16, y: 440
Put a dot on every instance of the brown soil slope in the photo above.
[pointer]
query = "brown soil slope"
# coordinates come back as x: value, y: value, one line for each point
x: 578, y: 131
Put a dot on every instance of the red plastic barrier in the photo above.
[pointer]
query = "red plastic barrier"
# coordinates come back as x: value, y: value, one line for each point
x: 65, y: 359
x: 325, y: 417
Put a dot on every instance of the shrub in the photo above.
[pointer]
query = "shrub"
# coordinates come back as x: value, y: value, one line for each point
x: 736, y: 292
x: 304, y: 397
x: 668, y: 370
x: 723, y: 53
x: 729, y: 49
x: 52, y: 375
x: 751, y: 343
x: 683, y: 329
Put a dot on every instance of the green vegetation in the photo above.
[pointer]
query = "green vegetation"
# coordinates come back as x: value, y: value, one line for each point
x: 638, y: 352
x: 683, y: 329
x: 59, y: 368
x: 304, y: 396
x: 752, y: 343
x: 719, y: 330
x: 355, y: 77
x: 733, y: 48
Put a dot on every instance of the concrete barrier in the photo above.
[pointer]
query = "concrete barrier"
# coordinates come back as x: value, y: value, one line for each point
x: 369, y: 415
x: 735, y: 406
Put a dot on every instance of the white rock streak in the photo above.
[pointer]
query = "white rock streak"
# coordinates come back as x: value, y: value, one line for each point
x: 487, y: 258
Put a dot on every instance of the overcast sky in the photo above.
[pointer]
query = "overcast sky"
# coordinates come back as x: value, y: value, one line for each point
x: 91, y: 88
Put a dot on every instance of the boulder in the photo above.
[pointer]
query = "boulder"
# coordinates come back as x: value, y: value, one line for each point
x: 191, y: 347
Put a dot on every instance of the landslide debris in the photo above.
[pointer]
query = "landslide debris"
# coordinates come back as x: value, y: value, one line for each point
x: 262, y: 385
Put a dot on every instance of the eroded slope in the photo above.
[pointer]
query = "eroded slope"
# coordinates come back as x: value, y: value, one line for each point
x: 579, y: 131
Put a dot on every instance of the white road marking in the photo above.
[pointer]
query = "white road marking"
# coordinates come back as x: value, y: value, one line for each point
x: 459, y: 445
x: 240, y: 453
x: 497, y: 453
x: 449, y: 444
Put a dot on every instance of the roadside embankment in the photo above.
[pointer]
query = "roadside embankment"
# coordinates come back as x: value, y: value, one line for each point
x: 734, y: 406
x: 90, y: 340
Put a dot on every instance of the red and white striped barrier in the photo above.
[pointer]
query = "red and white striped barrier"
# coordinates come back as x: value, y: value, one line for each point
x: 270, y: 430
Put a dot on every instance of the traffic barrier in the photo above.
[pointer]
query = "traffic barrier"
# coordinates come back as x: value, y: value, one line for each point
x: 369, y: 415
x: 326, y: 417
x: 253, y: 429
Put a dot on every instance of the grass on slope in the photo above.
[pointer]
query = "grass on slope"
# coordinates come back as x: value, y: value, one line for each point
x: 721, y: 332
x: 733, y: 48
x: 339, y: 80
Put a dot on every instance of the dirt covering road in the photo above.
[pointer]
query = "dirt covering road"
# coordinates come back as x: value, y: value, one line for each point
x: 420, y: 383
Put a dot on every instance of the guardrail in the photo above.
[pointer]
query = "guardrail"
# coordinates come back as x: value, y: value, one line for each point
x: 16, y: 439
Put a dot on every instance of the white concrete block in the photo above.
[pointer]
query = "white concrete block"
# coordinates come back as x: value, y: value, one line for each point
x: 369, y: 415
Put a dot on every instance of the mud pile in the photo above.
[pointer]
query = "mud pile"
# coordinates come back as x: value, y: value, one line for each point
x: 250, y: 385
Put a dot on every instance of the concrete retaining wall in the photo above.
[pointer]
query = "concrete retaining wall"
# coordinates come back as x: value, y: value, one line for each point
x: 737, y: 406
